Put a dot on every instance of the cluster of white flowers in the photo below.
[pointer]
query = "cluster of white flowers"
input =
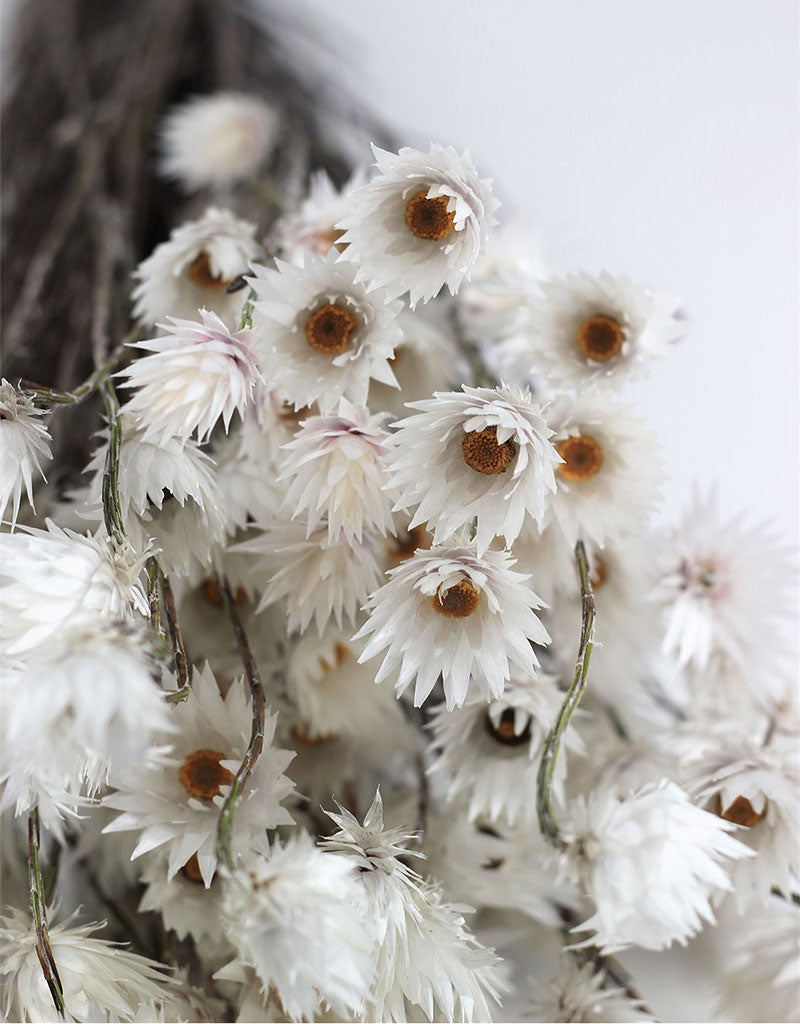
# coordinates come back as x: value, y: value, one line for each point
x: 379, y: 471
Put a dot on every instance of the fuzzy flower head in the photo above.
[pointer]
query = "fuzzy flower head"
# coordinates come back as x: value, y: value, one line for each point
x: 53, y: 579
x: 420, y: 224
x: 100, y: 981
x: 608, y: 477
x: 651, y: 862
x: 192, y: 269
x: 176, y: 804
x: 294, y: 918
x: 447, y: 610
x: 489, y: 754
x: 335, y: 473
x: 24, y: 443
x: 313, y: 227
x: 722, y: 588
x: 584, y: 331
x: 325, y: 336
x: 481, y: 453
x: 216, y: 140
x: 582, y: 993
x: 195, y: 374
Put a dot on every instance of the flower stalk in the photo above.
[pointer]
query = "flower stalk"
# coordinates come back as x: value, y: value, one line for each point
x: 36, y: 889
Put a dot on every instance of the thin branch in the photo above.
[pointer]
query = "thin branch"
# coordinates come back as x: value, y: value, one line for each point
x: 182, y: 666
x: 36, y: 888
x: 51, y: 396
x: 112, y: 507
x: 225, y: 826
x: 544, y: 796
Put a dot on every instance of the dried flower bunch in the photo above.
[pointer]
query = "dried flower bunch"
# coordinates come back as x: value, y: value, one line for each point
x: 353, y: 680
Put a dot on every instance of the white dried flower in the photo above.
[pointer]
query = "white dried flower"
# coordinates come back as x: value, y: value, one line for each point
x: 186, y: 906
x: 24, y: 443
x: 335, y: 471
x: 52, y: 579
x: 294, y: 918
x: 192, y: 269
x: 425, y: 957
x: 483, y: 453
x: 195, y: 374
x: 583, y: 331
x: 583, y: 993
x: 324, y: 335
x: 420, y: 223
x: 215, y: 140
x: 100, y: 982
x: 650, y: 861
x: 177, y: 802
x: 312, y: 228
x: 447, y: 610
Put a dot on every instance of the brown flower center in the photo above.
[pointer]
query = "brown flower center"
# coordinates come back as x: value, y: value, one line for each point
x: 461, y: 600
x: 600, y: 573
x: 304, y: 735
x: 330, y: 238
x: 328, y: 329
x: 503, y: 731
x: 582, y: 457
x: 341, y: 652
x: 483, y: 454
x: 600, y: 337
x: 212, y: 595
x: 191, y: 870
x: 429, y: 218
x: 741, y: 812
x: 406, y: 543
x: 200, y: 273
x: 202, y: 774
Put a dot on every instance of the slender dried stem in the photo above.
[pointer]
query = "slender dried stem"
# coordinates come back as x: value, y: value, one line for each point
x: 112, y: 507
x: 544, y: 797
x: 258, y: 700
x: 182, y: 665
x: 36, y: 888
x: 51, y: 396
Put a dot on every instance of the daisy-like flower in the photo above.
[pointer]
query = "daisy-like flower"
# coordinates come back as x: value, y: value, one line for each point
x: 608, y: 479
x: 581, y: 993
x: 313, y: 227
x: 761, y: 963
x: 195, y: 374
x: 168, y: 495
x: 420, y: 223
x: 425, y: 957
x: 489, y: 754
x: 53, y: 579
x: 480, y: 454
x: 324, y: 335
x: 317, y: 577
x: 651, y: 861
x: 335, y: 472
x: 582, y: 331
x: 24, y: 443
x: 722, y: 586
x: 754, y: 786
x: 193, y: 268
x: 100, y: 981
x: 176, y: 804
x: 446, y: 610
x: 216, y: 140
x: 294, y: 918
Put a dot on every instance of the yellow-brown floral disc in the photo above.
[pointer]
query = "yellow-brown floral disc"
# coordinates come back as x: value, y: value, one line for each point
x: 406, y: 543
x: 599, y: 573
x: 341, y: 652
x: 202, y: 774
x: 503, y: 731
x: 741, y: 812
x: 304, y: 735
x: 200, y: 273
x: 461, y: 600
x: 429, y: 218
x: 600, y: 337
x: 191, y: 869
x: 582, y: 457
x: 484, y: 454
x: 329, y: 329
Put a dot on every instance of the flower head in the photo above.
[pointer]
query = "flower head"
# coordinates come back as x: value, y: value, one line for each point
x: 217, y: 139
x: 195, y: 374
x: 24, y: 443
x: 482, y: 453
x: 446, y: 610
x: 192, y: 269
x: 420, y: 224
x: 312, y: 228
x: 581, y: 993
x: 324, y: 335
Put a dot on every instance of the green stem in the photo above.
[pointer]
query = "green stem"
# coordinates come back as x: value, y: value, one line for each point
x: 50, y: 396
x: 544, y: 796
x: 258, y: 700
x: 112, y: 507
x: 36, y: 889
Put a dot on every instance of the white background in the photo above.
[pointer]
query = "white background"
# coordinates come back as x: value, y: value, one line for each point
x: 656, y: 139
